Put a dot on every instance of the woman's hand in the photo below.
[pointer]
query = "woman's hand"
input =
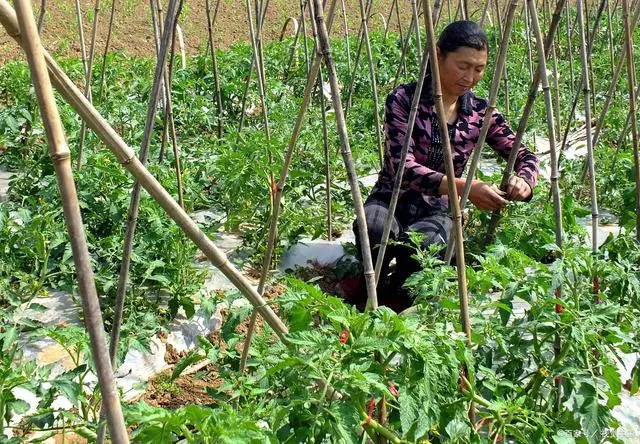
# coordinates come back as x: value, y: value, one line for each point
x: 518, y: 189
x: 487, y: 197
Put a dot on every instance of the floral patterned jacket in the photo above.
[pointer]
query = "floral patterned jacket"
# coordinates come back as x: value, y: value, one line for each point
x: 424, y: 168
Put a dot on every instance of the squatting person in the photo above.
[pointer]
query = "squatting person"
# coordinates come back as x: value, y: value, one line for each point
x: 423, y: 202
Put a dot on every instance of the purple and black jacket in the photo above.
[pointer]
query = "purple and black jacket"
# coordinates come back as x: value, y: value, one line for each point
x: 424, y: 168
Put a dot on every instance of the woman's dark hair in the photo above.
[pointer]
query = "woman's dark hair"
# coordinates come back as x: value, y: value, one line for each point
x: 462, y: 33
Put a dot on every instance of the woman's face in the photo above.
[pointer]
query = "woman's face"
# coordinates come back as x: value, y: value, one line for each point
x: 461, y: 69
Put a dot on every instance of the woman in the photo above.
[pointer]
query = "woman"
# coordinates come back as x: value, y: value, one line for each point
x: 423, y: 201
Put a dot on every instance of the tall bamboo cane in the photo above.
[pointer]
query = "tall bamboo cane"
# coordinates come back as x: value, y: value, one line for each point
x: 623, y: 135
x: 346, y: 33
x: 83, y: 50
x: 403, y: 159
x: 172, y: 14
x: 454, y: 204
x: 374, y: 85
x: 70, y: 92
x: 60, y: 155
x: 323, y: 50
x: 485, y: 11
x: 522, y: 124
x: 554, y: 69
x: 528, y: 35
x: 356, y: 63
x: 106, y: 48
x: 277, y: 199
x: 246, y: 86
x: 486, y: 123
x: 214, y: 62
x: 569, y: 48
x: 43, y: 11
x: 403, y: 63
x: 403, y: 55
x: 89, y: 74
x: 631, y: 79
x: 394, y: 3
x: 416, y: 23
x: 610, y: 36
x: 587, y: 115
x: 304, y: 34
x: 548, y: 103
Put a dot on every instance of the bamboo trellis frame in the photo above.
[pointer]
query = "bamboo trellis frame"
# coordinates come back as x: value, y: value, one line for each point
x: 61, y: 158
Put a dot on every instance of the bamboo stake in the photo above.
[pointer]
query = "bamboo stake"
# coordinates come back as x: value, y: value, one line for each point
x: 416, y: 23
x: 485, y: 11
x: 610, y: 36
x: 87, y: 84
x: 554, y: 68
x: 397, y: 181
x: 327, y: 158
x: 83, y: 50
x: 374, y: 85
x: 293, y: 48
x: 323, y: 50
x: 622, y: 137
x: 587, y: 114
x: 522, y: 124
x: 403, y: 63
x: 106, y: 48
x: 214, y: 63
x: 486, y: 123
x: 394, y: 3
x: 569, y: 50
x: 454, y: 204
x: 356, y: 63
x: 346, y: 33
x: 631, y: 79
x: 127, y: 157
x: 403, y: 55
x: 246, y: 87
x: 168, y: 80
x: 506, y: 73
x: 277, y: 198
x: 542, y: 67
x: 183, y: 55
x: 528, y: 38
x: 43, y: 11
x: 172, y: 13
x: 304, y: 34
x: 60, y: 155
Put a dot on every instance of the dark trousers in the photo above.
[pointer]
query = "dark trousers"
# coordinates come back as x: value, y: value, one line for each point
x: 411, y: 215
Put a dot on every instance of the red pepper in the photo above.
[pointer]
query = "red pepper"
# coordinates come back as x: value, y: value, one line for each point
x: 370, y: 409
x: 559, y: 308
x: 393, y: 389
x: 344, y: 336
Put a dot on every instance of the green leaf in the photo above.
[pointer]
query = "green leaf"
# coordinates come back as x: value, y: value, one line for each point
x: 563, y: 437
x: 593, y: 416
x: 191, y: 358
x: 612, y: 376
x: 20, y: 407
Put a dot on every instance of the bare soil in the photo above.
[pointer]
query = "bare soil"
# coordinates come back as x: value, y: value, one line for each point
x: 132, y: 28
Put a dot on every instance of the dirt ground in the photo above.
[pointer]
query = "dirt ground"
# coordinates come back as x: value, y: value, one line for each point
x: 132, y: 28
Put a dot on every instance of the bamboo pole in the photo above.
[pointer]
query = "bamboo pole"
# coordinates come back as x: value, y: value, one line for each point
x: 631, y: 79
x: 106, y: 48
x: 89, y: 74
x: 528, y: 39
x: 416, y: 23
x: 454, y: 204
x: 246, y: 87
x: 356, y: 63
x: 374, y: 85
x: 394, y: 3
x: 554, y: 68
x: 403, y: 55
x: 83, y: 50
x: 304, y: 34
x: 214, y: 63
x: 485, y: 11
x: 130, y: 161
x: 548, y: 102
x: 403, y: 63
x: 43, y: 11
x: 486, y: 123
x: 327, y: 156
x: 569, y: 48
x: 522, y: 124
x: 403, y: 159
x: 168, y: 118
x: 323, y: 50
x: 610, y: 36
x: 183, y: 55
x: 621, y: 138
x: 172, y: 13
x: 346, y: 33
x: 60, y: 155
x: 505, y: 77
x: 314, y: 72
x: 587, y: 115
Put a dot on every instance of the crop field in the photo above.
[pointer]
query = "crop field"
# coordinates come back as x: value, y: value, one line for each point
x: 168, y: 217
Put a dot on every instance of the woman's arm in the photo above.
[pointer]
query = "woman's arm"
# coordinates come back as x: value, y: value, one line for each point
x: 501, y: 138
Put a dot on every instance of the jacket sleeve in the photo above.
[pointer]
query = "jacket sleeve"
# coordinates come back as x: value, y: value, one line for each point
x: 501, y: 138
x: 416, y: 176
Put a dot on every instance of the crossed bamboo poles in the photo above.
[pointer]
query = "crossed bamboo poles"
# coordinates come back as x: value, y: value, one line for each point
x: 125, y: 154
